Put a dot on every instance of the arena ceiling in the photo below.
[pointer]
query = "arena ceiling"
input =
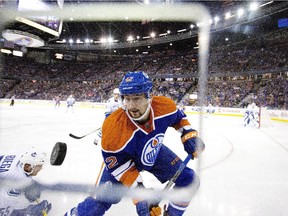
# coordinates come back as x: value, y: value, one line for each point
x: 73, y: 29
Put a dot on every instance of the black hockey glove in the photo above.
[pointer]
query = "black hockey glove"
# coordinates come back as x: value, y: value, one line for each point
x: 192, y: 144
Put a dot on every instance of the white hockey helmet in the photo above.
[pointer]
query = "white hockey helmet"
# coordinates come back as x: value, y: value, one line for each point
x: 116, y: 91
x: 34, y: 157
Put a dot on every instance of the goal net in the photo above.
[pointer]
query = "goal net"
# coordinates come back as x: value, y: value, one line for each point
x: 264, y: 118
x: 64, y: 195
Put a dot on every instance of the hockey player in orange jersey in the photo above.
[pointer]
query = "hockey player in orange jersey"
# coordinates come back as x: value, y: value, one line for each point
x: 132, y: 141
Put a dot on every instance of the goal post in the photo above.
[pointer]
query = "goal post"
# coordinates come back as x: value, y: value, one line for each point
x: 264, y: 118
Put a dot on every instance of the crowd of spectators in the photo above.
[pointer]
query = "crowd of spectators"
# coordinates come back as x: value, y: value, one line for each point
x: 174, y: 74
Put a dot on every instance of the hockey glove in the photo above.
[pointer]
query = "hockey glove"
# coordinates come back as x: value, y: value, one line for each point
x: 33, y: 192
x: 192, y: 144
x: 35, y: 210
x: 155, y: 210
x: 144, y: 209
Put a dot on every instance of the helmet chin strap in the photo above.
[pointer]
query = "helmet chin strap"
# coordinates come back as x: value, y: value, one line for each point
x: 145, y: 115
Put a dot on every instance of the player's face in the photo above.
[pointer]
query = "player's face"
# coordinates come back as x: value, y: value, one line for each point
x: 37, y: 168
x: 116, y: 96
x: 136, y: 105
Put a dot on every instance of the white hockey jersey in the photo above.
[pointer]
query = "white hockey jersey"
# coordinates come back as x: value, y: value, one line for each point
x: 112, y: 105
x: 12, y: 179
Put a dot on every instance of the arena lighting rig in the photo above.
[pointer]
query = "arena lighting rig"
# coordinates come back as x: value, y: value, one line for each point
x: 239, y: 14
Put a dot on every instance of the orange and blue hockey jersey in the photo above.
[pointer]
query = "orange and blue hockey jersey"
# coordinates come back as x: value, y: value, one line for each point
x: 128, y: 147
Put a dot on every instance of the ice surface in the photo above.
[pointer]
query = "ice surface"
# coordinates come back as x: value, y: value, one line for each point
x: 243, y: 171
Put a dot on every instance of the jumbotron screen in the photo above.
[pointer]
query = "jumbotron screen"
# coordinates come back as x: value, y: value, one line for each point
x: 49, y: 24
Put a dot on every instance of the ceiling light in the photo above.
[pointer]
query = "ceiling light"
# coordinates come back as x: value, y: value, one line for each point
x: 240, y: 12
x: 103, y: 40
x: 253, y: 6
x: 130, y: 38
x: 228, y: 15
x: 163, y: 34
x: 216, y: 19
x: 17, y: 53
x: 266, y: 3
x: 6, y: 51
x: 146, y: 2
x: 181, y: 30
x: 110, y: 40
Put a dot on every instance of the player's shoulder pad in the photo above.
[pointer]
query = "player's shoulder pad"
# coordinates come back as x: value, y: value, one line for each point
x: 117, y: 130
x: 163, y: 106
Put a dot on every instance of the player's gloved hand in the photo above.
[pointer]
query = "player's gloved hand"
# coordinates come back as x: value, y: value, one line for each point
x: 72, y: 212
x: 192, y: 144
x: 144, y: 209
x: 39, y: 209
x: 33, y: 192
x: 155, y: 210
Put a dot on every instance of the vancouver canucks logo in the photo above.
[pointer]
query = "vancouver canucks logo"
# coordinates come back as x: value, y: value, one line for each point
x: 23, y: 41
x: 33, y: 154
x: 14, y: 192
x: 151, y: 150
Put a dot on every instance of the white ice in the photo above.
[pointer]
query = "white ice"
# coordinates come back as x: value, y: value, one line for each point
x: 243, y: 171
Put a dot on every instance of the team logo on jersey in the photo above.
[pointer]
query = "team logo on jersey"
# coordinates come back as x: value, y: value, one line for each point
x: 129, y: 79
x: 151, y: 150
x: 14, y: 192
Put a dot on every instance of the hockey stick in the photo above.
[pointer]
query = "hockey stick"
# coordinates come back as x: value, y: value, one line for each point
x: 175, y: 177
x: 80, y: 137
x: 178, y: 172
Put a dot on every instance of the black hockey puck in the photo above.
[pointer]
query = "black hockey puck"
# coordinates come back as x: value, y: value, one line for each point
x: 58, y: 154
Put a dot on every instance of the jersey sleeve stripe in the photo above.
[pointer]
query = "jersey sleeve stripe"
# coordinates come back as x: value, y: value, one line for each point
x: 127, y: 173
x: 184, y: 123
x: 117, y: 173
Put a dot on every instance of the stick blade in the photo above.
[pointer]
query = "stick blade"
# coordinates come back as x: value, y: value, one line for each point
x: 75, y: 137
